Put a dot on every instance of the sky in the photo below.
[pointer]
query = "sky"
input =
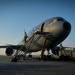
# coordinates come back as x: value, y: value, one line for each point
x: 17, y: 15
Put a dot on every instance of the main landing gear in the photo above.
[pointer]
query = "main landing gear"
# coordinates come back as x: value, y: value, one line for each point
x: 15, y: 59
x: 42, y: 56
x: 18, y: 55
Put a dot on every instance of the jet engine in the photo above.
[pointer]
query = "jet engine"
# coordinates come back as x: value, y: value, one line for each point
x: 9, y: 51
x: 55, y: 50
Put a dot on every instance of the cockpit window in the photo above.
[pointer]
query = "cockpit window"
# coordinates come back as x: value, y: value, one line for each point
x: 60, y: 19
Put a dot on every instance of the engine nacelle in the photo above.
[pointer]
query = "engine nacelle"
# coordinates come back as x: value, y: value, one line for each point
x: 55, y: 50
x: 9, y: 51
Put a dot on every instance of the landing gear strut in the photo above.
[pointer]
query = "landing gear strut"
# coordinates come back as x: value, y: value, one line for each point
x: 42, y: 56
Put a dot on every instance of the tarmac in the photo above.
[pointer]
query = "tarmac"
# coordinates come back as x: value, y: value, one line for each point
x: 36, y: 67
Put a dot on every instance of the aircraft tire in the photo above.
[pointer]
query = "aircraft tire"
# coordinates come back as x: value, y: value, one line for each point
x: 30, y: 56
x: 49, y: 56
x: 62, y: 57
x: 14, y: 59
x: 44, y: 57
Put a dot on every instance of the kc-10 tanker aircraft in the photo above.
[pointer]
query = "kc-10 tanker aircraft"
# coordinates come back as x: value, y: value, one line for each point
x: 45, y: 36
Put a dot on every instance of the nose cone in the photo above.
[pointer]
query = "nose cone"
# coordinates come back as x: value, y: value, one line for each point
x: 67, y: 26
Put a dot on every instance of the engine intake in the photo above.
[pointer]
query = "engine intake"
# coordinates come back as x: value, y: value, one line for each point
x: 9, y: 51
x: 55, y: 50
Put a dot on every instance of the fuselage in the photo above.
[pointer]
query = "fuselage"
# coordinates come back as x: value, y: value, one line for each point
x: 56, y: 30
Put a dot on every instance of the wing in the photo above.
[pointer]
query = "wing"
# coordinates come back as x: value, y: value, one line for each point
x: 12, y: 46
